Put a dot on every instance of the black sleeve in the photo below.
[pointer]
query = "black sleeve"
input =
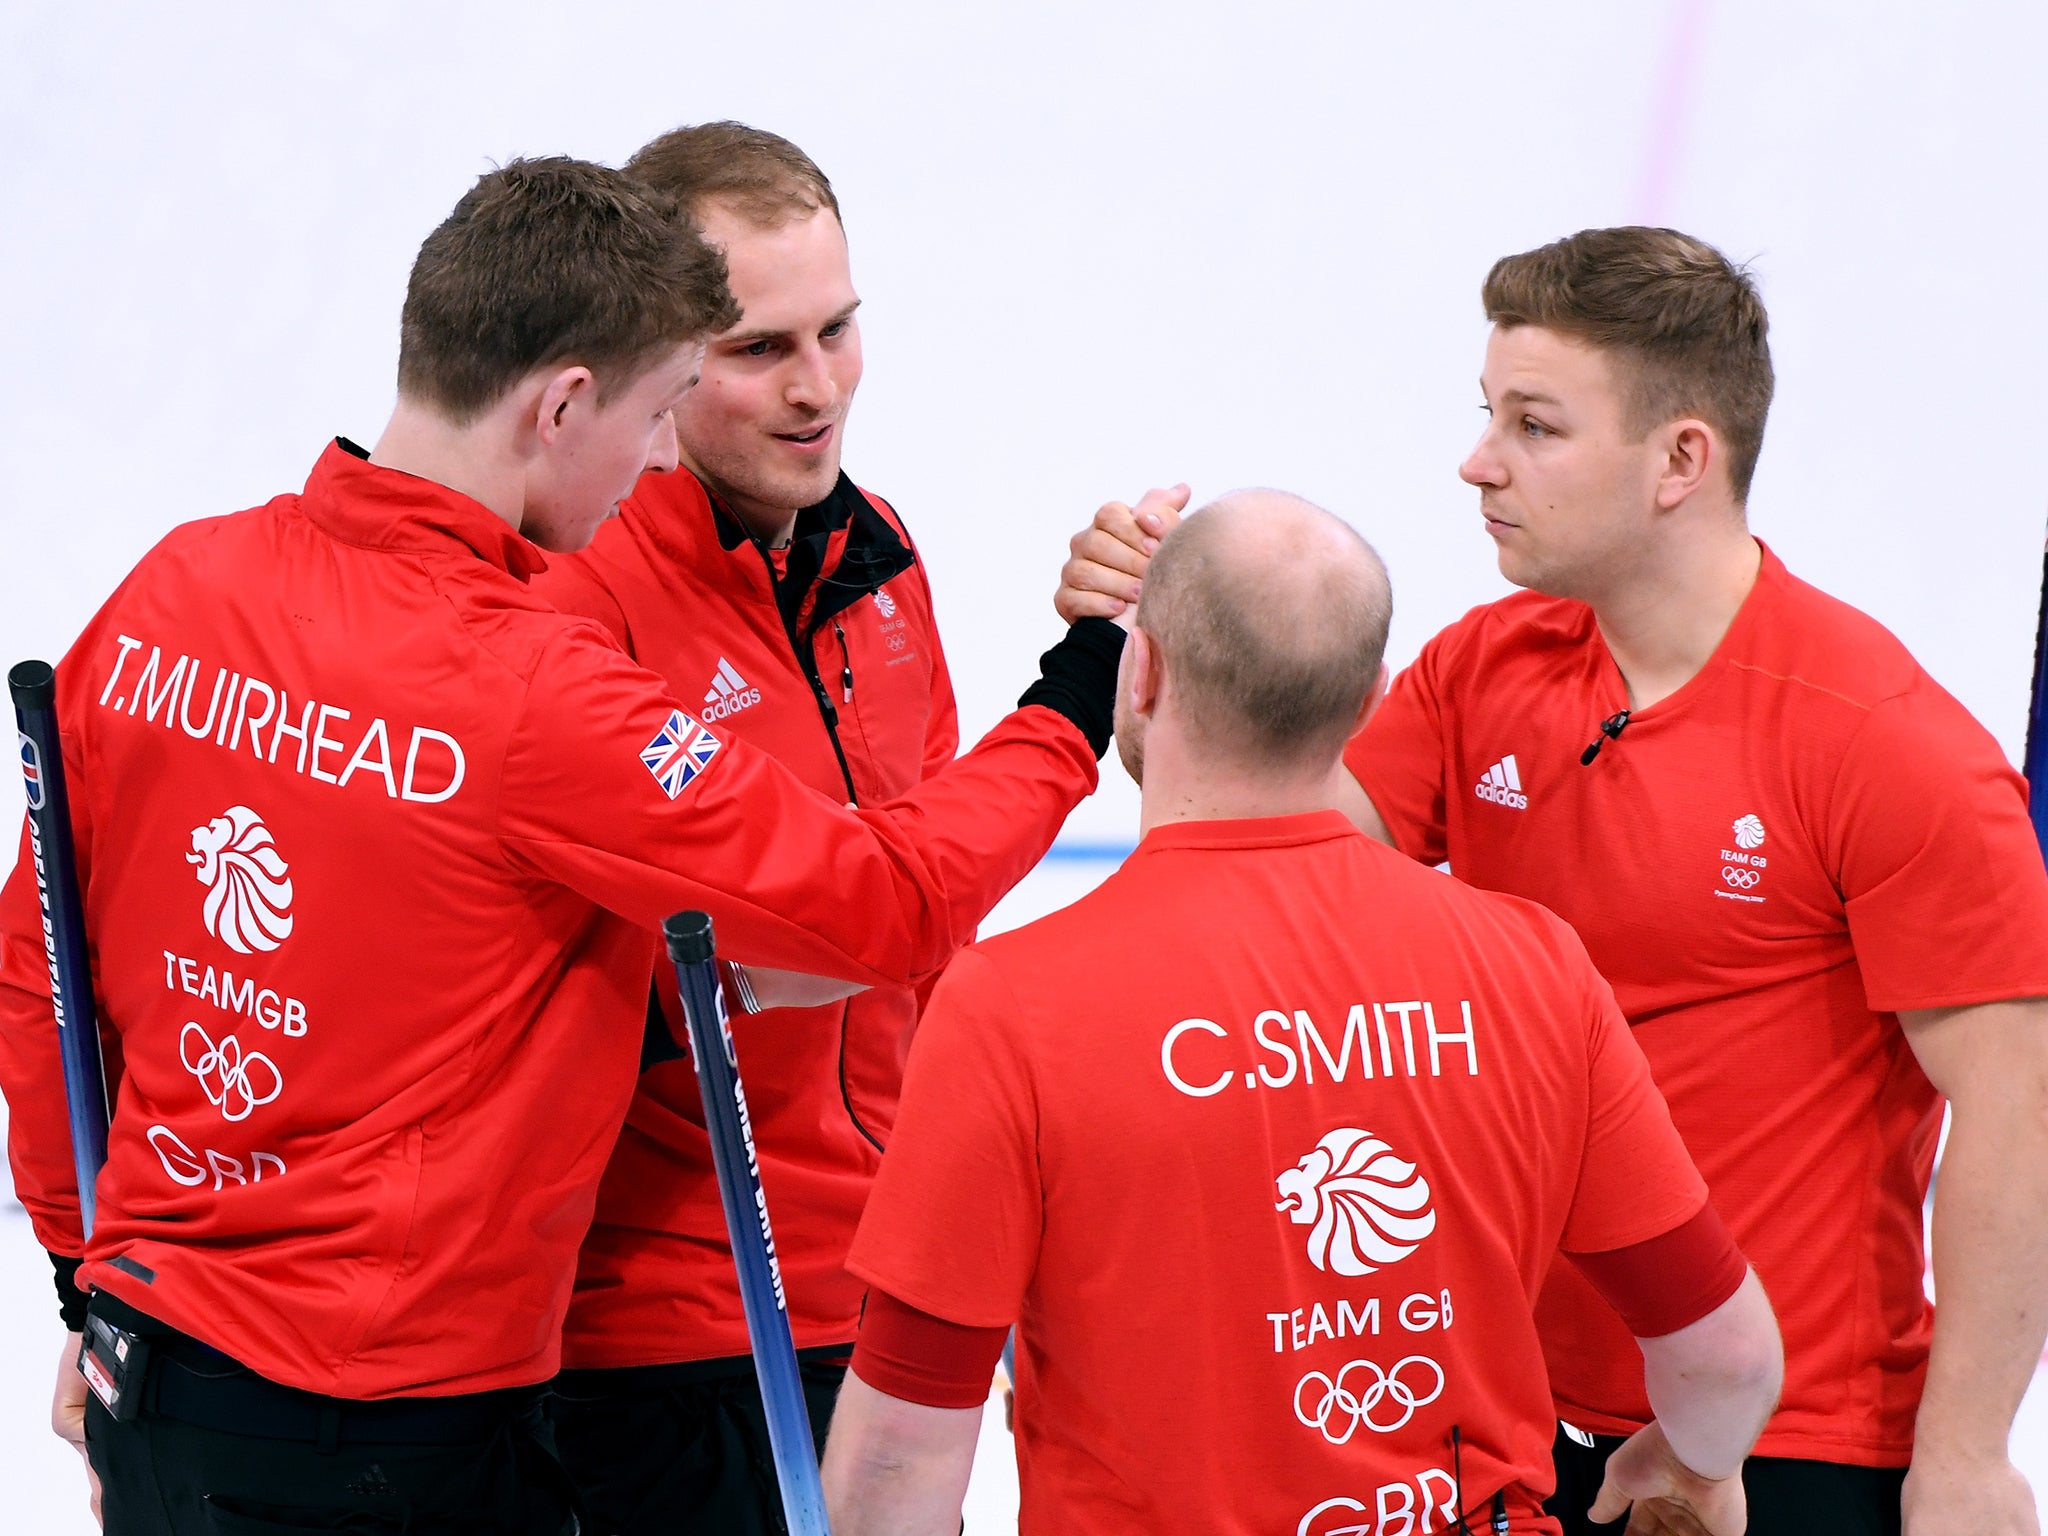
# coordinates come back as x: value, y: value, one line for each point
x: 70, y: 1299
x: 1077, y: 678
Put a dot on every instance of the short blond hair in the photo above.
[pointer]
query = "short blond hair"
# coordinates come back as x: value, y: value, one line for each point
x: 762, y: 176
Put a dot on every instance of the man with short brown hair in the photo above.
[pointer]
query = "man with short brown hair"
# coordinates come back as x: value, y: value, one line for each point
x: 1806, y: 871
x: 359, y: 902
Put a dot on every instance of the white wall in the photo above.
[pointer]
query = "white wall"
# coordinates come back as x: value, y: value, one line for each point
x: 1101, y: 245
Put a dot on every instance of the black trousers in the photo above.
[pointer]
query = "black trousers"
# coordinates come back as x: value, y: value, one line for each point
x: 1786, y: 1497
x: 663, y: 1450
x: 493, y: 1473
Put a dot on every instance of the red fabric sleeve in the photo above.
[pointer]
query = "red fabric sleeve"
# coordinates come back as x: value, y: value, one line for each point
x: 1936, y: 861
x: 1636, y: 1180
x: 1398, y: 757
x: 941, y: 736
x: 942, y: 724
x: 792, y: 879
x: 1670, y: 1282
x: 924, y: 1359
x: 574, y: 585
x: 954, y: 1221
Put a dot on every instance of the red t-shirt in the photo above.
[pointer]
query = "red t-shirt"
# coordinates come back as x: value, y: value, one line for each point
x: 1266, y: 1147
x: 1766, y: 865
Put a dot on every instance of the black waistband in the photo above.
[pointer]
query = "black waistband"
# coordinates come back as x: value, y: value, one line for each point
x: 636, y: 1380
x: 196, y: 1384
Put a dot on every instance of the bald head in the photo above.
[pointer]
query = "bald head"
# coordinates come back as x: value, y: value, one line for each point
x: 1270, y: 616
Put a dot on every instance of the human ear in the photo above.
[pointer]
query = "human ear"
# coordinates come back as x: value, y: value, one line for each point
x: 1372, y: 699
x: 560, y: 392
x: 1690, y: 451
x: 1141, y: 674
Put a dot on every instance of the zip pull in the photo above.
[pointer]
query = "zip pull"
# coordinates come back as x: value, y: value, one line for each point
x: 845, y: 663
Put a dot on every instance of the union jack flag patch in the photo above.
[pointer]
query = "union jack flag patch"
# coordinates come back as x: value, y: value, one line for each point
x: 680, y: 751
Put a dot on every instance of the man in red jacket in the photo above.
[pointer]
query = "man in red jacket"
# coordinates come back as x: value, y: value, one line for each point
x: 810, y: 635
x: 371, y: 837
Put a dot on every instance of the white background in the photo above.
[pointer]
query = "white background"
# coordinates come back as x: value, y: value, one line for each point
x: 1102, y: 246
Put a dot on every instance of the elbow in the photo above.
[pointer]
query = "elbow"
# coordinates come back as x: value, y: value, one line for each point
x: 1757, y: 1368
x: 1761, y: 1354
x: 1733, y: 1355
x: 1749, y: 1349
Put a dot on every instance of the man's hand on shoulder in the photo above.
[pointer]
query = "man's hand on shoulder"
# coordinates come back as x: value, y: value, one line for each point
x: 67, y: 1411
x: 1105, y: 568
x: 1946, y: 1498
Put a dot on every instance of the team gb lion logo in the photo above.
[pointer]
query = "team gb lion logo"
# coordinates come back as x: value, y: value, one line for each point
x: 249, y: 888
x: 1365, y: 1206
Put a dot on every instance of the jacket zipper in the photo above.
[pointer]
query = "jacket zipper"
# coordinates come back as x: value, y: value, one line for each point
x: 807, y: 658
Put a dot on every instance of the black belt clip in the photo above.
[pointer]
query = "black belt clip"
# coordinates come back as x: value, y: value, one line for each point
x: 113, y: 1362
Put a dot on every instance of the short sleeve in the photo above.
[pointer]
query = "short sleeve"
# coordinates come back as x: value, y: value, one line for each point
x: 1636, y: 1180
x: 1398, y: 757
x: 957, y: 1214
x: 1936, y: 862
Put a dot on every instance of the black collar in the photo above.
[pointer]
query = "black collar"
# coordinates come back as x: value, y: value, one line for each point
x: 874, y: 554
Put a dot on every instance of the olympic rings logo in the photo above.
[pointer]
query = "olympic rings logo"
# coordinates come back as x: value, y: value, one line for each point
x: 1351, y: 1407
x: 1743, y: 879
x: 234, y: 1081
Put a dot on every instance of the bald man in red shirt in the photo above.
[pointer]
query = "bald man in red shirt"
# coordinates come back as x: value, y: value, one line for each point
x: 1267, y: 1145
x: 1806, y: 870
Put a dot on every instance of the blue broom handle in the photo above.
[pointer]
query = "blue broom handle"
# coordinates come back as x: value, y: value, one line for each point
x: 2037, y: 725
x: 690, y: 947
x: 34, y: 687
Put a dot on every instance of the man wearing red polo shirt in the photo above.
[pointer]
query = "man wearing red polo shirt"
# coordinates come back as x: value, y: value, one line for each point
x: 1807, y: 872
x: 1267, y: 1145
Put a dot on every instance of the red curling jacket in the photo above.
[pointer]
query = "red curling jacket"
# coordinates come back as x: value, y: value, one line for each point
x: 824, y: 654
x: 371, y: 838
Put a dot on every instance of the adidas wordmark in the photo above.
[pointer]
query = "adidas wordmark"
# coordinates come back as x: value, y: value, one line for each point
x: 1502, y: 784
x: 728, y: 693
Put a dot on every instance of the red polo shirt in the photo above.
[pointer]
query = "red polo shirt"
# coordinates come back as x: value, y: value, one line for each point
x: 1266, y: 1147
x: 1767, y: 865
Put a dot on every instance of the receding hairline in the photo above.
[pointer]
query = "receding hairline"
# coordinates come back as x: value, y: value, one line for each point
x: 1223, y: 600
x: 1249, y: 515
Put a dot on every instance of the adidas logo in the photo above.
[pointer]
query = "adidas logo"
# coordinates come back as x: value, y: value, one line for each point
x: 728, y: 693
x: 1502, y: 784
x: 373, y: 1484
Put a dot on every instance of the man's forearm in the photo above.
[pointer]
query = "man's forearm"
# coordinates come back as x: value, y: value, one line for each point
x: 1990, y: 1277
x: 1714, y: 1384
x: 894, y: 1468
